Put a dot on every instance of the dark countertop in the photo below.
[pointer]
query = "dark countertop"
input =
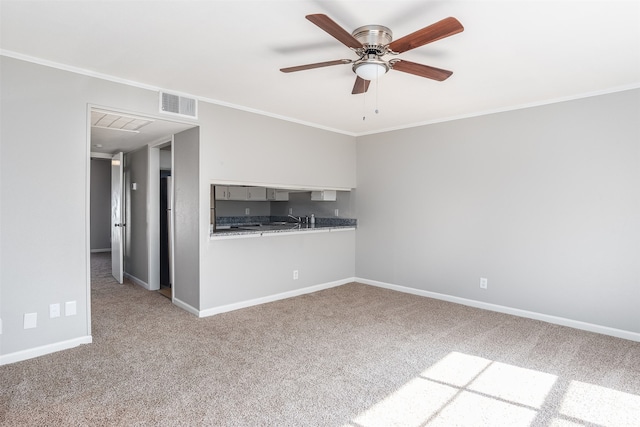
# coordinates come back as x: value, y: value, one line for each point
x: 256, y: 230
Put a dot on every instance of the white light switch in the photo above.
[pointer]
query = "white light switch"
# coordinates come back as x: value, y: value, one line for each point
x: 134, y: 186
x: 30, y: 320
x: 54, y: 310
x: 70, y: 308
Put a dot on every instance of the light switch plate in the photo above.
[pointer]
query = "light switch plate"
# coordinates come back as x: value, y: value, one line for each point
x: 70, y: 308
x: 30, y: 320
x: 54, y: 310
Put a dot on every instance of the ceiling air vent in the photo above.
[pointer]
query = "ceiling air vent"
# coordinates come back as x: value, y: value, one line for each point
x: 179, y: 105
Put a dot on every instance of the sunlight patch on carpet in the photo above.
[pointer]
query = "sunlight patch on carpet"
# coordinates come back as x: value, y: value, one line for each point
x: 464, y: 390
x: 600, y: 405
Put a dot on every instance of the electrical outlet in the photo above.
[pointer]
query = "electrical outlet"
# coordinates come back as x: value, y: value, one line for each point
x: 70, y: 308
x: 483, y: 283
x: 336, y: 212
x: 54, y: 310
x: 290, y: 211
x: 30, y: 320
x: 295, y: 274
x: 247, y: 211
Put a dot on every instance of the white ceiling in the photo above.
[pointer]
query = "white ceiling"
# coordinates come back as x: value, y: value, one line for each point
x: 511, y: 54
x: 108, y: 136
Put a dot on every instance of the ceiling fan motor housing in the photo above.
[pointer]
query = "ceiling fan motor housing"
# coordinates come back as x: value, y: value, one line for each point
x: 374, y: 38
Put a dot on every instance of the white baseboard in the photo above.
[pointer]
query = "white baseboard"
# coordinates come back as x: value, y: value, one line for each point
x: 244, y: 304
x: 137, y: 281
x: 186, y: 307
x: 576, y: 324
x: 93, y: 251
x: 19, y: 356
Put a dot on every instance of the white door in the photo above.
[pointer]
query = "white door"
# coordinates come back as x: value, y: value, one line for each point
x: 117, y: 226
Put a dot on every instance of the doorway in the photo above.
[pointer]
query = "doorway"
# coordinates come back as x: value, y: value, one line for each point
x: 166, y: 231
x: 148, y: 161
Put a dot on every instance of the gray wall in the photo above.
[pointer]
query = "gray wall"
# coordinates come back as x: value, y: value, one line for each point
x: 544, y: 202
x: 186, y: 180
x: 56, y: 269
x: 45, y: 252
x: 100, y: 204
x: 237, y: 208
x: 302, y: 205
x: 243, y: 147
x: 136, y: 253
x: 258, y: 267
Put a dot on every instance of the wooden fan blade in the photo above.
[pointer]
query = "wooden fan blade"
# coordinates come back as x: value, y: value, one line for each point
x: 335, y: 30
x: 360, y: 86
x: 421, y: 70
x: 316, y: 65
x: 441, y: 29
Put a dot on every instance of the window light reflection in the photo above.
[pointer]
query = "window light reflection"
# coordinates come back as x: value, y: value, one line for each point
x: 600, y: 405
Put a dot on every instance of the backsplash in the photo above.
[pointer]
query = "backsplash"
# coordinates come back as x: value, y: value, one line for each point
x: 247, y: 219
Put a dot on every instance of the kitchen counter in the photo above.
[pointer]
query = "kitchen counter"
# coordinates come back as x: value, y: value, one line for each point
x: 228, y: 231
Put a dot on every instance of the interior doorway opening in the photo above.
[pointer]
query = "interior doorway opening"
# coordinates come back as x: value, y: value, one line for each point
x: 166, y: 230
x: 148, y: 160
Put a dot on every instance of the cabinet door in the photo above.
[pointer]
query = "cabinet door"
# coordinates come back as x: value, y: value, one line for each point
x: 237, y: 193
x: 222, y: 192
x: 277, y: 195
x: 256, y: 193
x: 325, y: 195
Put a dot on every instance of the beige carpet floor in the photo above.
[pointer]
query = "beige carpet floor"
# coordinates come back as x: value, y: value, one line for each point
x: 354, y: 355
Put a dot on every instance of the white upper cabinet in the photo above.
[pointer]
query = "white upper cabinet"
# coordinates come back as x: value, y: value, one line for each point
x: 234, y: 192
x: 324, y: 195
x: 256, y: 193
x: 277, y: 195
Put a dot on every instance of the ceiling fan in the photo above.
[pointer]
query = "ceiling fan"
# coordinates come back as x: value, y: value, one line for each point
x: 372, y: 42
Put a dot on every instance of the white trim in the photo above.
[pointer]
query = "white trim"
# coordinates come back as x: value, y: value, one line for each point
x: 89, y: 73
x: 153, y: 217
x: 93, y: 251
x: 82, y: 71
x: 87, y: 223
x: 186, y: 307
x: 576, y: 324
x: 30, y: 353
x: 137, y: 281
x: 95, y: 155
x: 270, y: 298
x: 508, y: 108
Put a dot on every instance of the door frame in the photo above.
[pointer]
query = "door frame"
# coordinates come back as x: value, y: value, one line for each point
x: 153, y: 211
x: 88, y: 157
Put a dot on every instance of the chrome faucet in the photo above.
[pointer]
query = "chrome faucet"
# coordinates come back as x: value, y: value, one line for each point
x: 297, y: 218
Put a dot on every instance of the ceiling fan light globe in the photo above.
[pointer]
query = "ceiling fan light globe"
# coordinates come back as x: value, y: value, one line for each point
x: 370, y: 70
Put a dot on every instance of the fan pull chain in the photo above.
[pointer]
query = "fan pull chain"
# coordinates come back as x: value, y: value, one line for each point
x: 364, y: 105
x: 377, y: 80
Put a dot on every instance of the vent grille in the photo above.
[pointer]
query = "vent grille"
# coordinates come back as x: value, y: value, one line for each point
x: 180, y: 105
